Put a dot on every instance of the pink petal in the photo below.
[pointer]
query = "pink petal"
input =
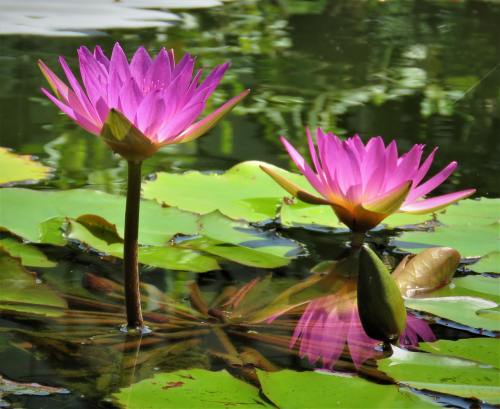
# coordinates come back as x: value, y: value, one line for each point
x: 432, y: 183
x: 58, y: 86
x: 101, y: 57
x: 179, y: 123
x: 201, y: 127
x: 140, y: 65
x: 436, y: 203
x: 422, y: 171
x: 159, y: 74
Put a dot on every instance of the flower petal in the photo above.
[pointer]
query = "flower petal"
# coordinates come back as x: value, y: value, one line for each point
x: 436, y: 203
x: 432, y: 183
x: 391, y: 201
x: 201, y: 127
x: 293, y: 189
x: 58, y: 86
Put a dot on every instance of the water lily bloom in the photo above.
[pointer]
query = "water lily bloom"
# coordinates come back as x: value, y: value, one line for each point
x: 330, y: 323
x: 366, y: 183
x: 141, y: 105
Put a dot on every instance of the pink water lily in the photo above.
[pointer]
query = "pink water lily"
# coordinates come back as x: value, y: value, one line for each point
x: 366, y: 183
x: 141, y: 105
x: 330, y: 323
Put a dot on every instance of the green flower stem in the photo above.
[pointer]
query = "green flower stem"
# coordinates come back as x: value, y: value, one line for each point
x: 130, y: 247
x: 357, y: 239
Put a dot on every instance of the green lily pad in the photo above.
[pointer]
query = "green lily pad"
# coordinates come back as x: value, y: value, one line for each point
x: 168, y: 256
x: 490, y: 263
x: 243, y: 192
x: 30, y: 256
x: 193, y: 388
x: 246, y: 192
x: 443, y: 374
x: 471, y: 286
x: 290, y: 389
x: 22, y: 292
x: 470, y: 311
x: 483, y: 350
x: 471, y: 227
x: 20, y: 217
x: 20, y: 169
x: 242, y: 243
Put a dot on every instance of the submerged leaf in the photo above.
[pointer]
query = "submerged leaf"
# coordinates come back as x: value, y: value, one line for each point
x: 8, y: 387
x: 30, y: 255
x: 22, y: 292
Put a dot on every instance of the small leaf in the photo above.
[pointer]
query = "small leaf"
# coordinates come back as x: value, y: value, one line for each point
x: 30, y: 255
x: 125, y: 139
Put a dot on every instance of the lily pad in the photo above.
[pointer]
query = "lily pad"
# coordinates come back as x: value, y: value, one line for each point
x: 168, y: 256
x: 19, y: 216
x: 483, y: 350
x: 470, y: 311
x: 21, y: 291
x: 490, y: 263
x: 246, y: 192
x: 472, y: 286
x: 290, y: 389
x: 443, y: 374
x: 471, y: 227
x: 193, y: 388
x: 30, y: 256
x: 242, y: 243
x: 17, y: 169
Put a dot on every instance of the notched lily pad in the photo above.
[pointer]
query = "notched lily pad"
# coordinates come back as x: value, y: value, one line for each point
x: 193, y: 388
x: 443, y: 374
x: 290, y: 389
x: 20, y: 169
x: 471, y: 227
x: 30, y: 255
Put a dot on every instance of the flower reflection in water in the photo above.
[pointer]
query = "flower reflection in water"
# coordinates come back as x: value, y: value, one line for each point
x: 331, y: 323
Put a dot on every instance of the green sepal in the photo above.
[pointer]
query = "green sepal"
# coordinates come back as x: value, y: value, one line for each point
x: 381, y: 306
x: 125, y: 139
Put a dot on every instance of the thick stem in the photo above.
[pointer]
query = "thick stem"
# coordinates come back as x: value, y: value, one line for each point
x: 130, y: 262
x: 357, y: 239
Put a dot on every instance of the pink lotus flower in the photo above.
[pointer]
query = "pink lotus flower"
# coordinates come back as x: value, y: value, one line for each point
x: 331, y: 322
x: 366, y: 183
x: 138, y: 107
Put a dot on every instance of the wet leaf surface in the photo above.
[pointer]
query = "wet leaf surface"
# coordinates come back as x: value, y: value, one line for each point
x: 482, y: 350
x: 290, y: 389
x: 443, y: 374
x: 30, y: 255
x: 193, y: 388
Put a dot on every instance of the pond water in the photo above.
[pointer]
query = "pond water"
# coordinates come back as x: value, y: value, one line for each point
x: 415, y: 71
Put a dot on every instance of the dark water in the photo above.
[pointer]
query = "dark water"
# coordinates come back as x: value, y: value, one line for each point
x: 417, y: 71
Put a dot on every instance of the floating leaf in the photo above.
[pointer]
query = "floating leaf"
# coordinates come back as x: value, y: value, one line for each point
x: 490, y: 263
x: 246, y: 192
x: 470, y: 311
x: 443, y: 374
x: 168, y: 256
x: 20, y: 169
x: 243, y: 192
x: 471, y: 227
x: 242, y: 243
x: 22, y: 292
x: 193, y: 388
x: 30, y: 256
x: 290, y: 389
x: 483, y: 350
x: 19, y: 216
x: 472, y: 286
x: 426, y: 271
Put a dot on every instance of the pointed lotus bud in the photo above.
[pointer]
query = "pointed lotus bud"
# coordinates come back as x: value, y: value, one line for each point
x: 381, y: 307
